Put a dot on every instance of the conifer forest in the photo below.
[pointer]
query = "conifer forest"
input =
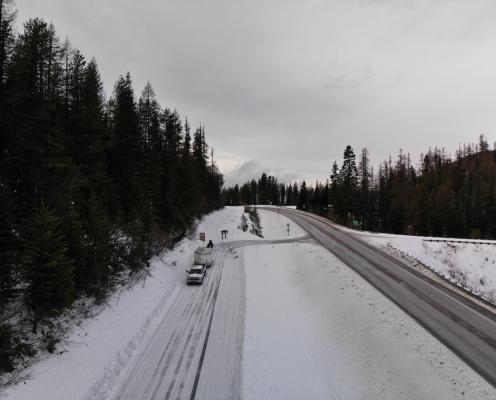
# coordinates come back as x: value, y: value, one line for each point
x: 90, y: 187
x: 442, y: 196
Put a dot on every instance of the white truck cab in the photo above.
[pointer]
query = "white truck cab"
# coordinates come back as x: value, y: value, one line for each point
x: 196, y: 274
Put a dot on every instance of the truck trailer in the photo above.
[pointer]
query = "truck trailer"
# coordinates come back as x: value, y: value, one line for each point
x: 203, y: 256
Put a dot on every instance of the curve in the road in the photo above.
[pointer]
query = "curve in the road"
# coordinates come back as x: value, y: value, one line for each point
x: 465, y: 327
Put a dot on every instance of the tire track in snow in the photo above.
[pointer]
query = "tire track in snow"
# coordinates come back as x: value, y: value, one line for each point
x: 185, y: 312
x: 187, y: 316
x: 193, y: 348
x: 328, y: 391
x: 230, y: 247
x: 169, y: 365
x: 200, y: 311
x: 204, y: 348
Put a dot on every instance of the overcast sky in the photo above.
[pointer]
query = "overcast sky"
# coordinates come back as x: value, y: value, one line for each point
x: 285, y: 85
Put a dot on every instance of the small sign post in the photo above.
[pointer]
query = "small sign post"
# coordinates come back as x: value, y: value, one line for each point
x: 202, y: 236
x: 288, y: 227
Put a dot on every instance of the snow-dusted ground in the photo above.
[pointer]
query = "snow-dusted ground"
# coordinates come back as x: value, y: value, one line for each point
x: 290, y: 322
x: 470, y: 264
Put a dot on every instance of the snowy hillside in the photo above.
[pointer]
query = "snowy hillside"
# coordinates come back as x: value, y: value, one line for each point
x: 470, y: 264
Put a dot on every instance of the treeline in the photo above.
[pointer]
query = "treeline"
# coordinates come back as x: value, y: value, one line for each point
x: 442, y: 196
x: 90, y: 188
x: 267, y: 190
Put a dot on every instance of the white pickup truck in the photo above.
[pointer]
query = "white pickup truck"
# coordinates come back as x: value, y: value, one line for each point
x: 196, y: 274
x: 202, y: 260
x: 203, y: 255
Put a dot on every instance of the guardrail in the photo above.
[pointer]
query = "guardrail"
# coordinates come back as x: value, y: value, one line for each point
x: 493, y: 243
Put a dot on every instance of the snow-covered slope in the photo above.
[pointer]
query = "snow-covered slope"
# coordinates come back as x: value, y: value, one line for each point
x: 470, y: 264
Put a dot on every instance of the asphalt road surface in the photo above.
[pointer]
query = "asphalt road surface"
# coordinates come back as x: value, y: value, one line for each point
x: 465, y: 327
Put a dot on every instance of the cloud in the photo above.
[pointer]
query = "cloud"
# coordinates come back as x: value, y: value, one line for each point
x: 253, y: 169
x: 353, y: 78
x: 291, y: 83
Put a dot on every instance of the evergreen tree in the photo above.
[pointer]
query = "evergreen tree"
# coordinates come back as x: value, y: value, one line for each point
x: 325, y: 199
x: 126, y: 154
x: 303, y: 198
x: 94, y: 137
x: 235, y: 196
x: 289, y: 195
x: 349, y: 182
x: 153, y: 144
x: 364, y: 177
x: 335, y: 192
x: 253, y: 192
x: 296, y: 194
x: 7, y: 41
x: 74, y: 83
x: 39, y: 163
x: 263, y: 196
x: 100, y: 251
x: 200, y: 162
x: 282, y: 195
x: 47, y: 269
x: 8, y: 252
x: 483, y: 145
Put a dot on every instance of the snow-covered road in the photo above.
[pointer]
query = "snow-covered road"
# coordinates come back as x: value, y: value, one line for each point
x: 195, y: 351
x: 166, y: 367
x: 314, y: 329
x: 276, y: 318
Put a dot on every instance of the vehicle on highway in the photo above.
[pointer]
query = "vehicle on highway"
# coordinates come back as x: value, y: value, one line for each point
x: 203, y: 255
x: 196, y: 274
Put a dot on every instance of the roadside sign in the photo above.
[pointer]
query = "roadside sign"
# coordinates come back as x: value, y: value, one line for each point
x: 202, y: 236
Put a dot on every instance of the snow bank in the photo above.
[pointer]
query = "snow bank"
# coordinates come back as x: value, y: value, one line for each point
x: 468, y: 263
x: 275, y: 226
